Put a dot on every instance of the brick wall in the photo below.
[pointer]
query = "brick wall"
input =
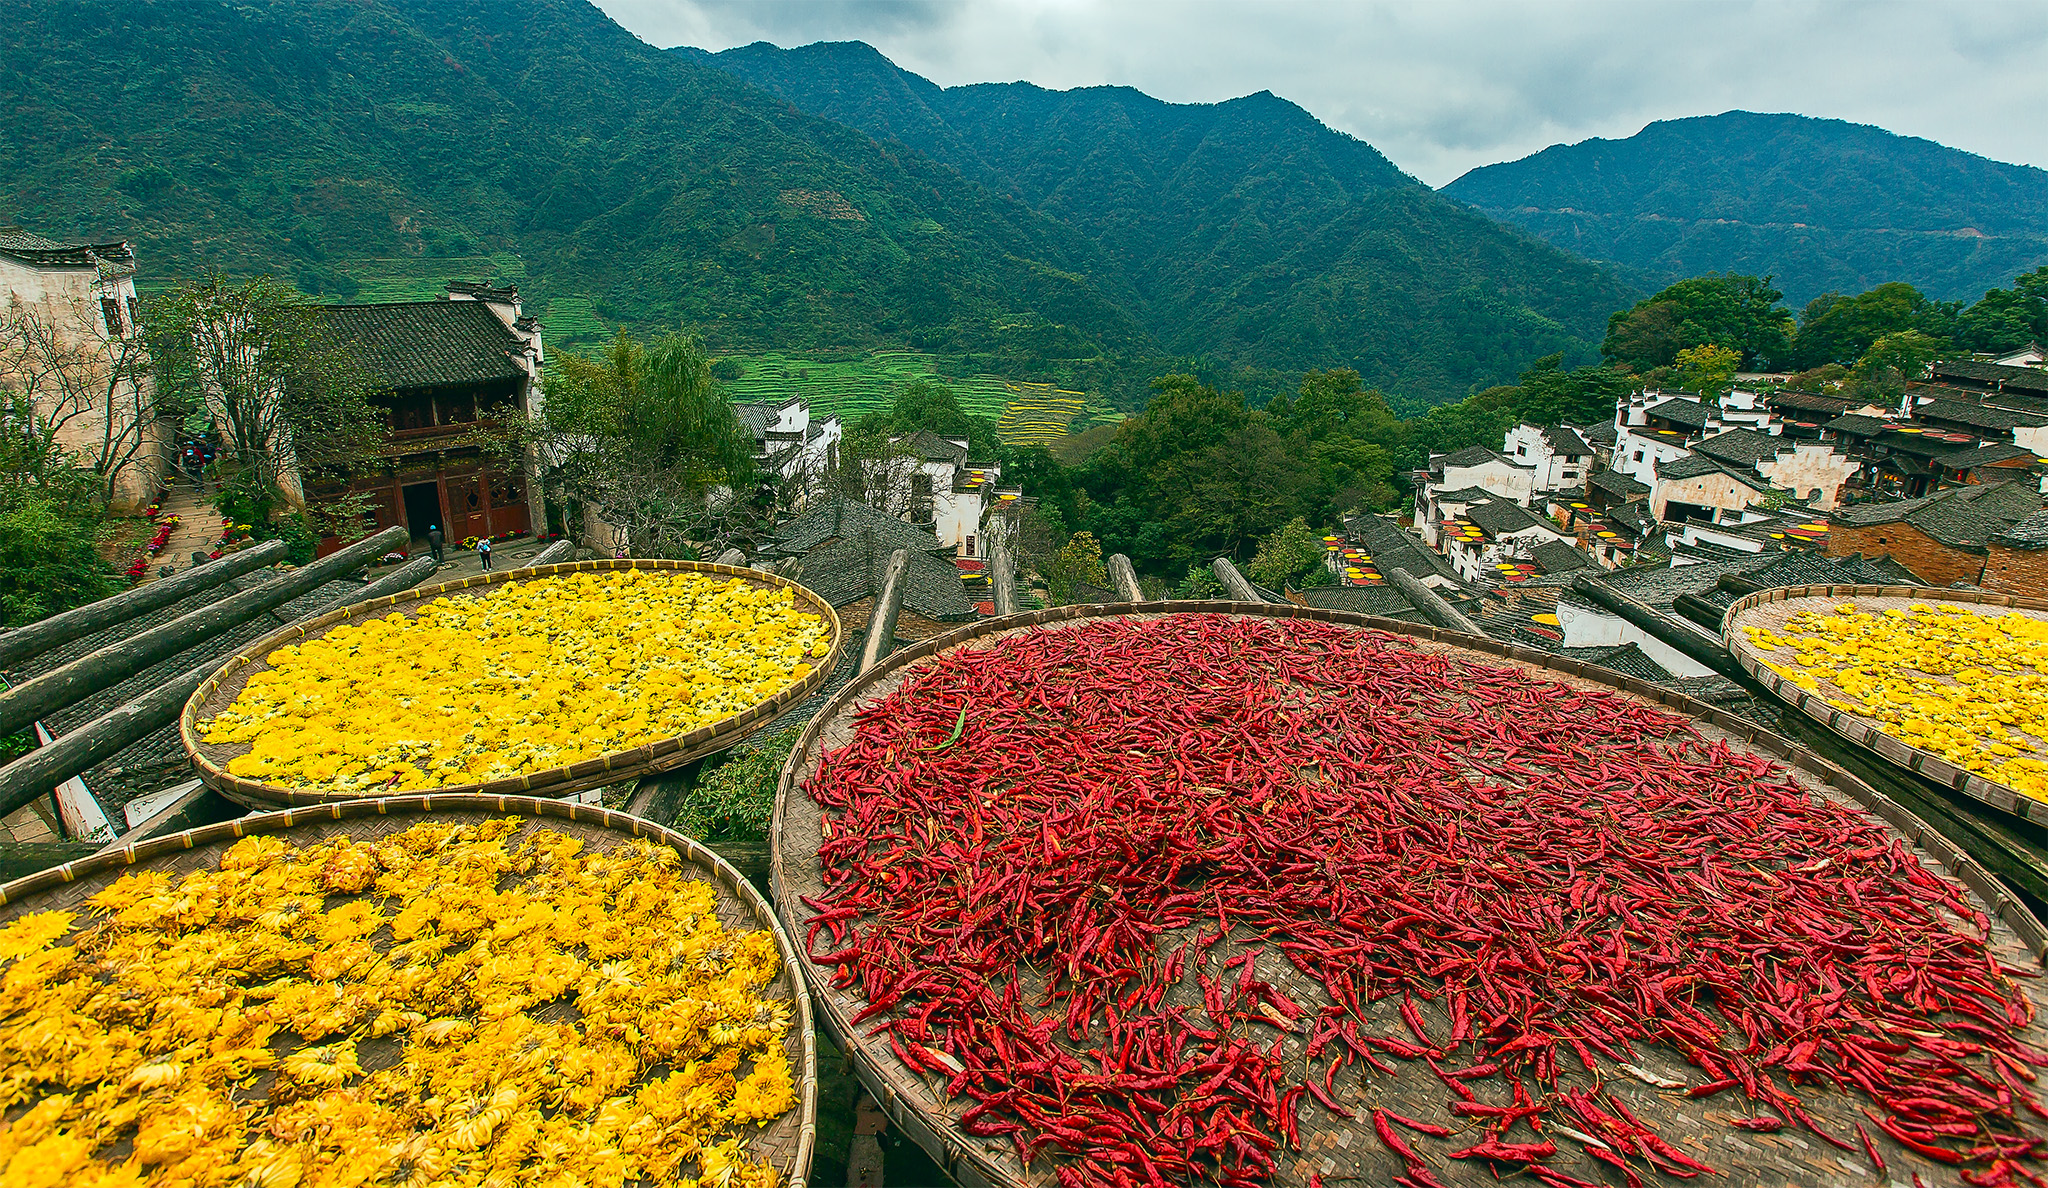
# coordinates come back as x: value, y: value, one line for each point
x: 1933, y: 562
x: 2017, y: 571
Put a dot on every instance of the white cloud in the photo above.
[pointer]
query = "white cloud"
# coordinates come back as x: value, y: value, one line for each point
x: 1445, y: 86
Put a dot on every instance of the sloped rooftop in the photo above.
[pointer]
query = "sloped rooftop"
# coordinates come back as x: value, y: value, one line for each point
x: 426, y: 344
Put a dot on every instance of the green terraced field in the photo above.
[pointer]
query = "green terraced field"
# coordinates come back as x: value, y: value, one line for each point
x: 853, y: 386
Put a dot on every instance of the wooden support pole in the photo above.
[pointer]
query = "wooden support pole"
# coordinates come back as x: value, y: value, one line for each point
x: 734, y: 558
x: 404, y: 578
x: 1002, y: 574
x: 888, y: 604
x: 1736, y: 584
x: 42, y: 769
x: 26, y: 643
x: 554, y: 554
x: 1699, y: 610
x: 1234, y: 582
x: 1123, y: 579
x: 114, y: 663
x: 1429, y: 602
x: 1686, y: 640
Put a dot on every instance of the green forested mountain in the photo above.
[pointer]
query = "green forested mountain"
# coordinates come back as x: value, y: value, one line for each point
x: 305, y: 137
x: 1820, y: 205
x: 1252, y: 233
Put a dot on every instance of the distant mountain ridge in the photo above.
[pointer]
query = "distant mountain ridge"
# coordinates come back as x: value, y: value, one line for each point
x: 1822, y: 205
x: 1250, y: 231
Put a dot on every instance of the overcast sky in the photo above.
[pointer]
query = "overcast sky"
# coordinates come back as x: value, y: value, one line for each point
x: 1447, y: 85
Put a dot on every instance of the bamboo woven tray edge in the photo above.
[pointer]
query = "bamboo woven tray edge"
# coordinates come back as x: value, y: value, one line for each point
x: 726, y: 879
x: 609, y: 768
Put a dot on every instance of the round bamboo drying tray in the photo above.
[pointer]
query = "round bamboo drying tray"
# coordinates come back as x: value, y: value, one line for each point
x: 219, y: 691
x: 1337, y: 1149
x: 786, y: 1143
x: 1771, y: 609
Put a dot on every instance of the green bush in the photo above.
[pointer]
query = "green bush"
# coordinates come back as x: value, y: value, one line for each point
x: 736, y: 799
x: 48, y: 562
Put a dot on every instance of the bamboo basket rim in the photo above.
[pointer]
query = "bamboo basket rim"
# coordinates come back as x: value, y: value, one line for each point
x: 1862, y: 732
x: 960, y: 1155
x: 726, y: 879
x: 611, y: 767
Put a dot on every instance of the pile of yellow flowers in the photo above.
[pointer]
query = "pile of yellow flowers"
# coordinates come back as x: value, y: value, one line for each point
x: 245, y: 1027
x: 1970, y: 688
x: 529, y: 676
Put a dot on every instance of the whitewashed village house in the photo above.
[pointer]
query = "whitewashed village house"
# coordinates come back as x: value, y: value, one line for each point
x: 76, y: 302
x: 943, y: 489
x: 788, y: 441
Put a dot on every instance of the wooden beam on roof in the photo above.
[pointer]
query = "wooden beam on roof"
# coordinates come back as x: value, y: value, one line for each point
x: 1123, y: 579
x: 25, y: 643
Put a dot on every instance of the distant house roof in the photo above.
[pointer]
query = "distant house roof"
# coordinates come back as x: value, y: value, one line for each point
x: 1700, y: 465
x: 426, y: 344
x: 1633, y: 516
x: 1690, y: 413
x: 1859, y: 425
x: 1807, y: 402
x: 1499, y: 517
x: 1393, y: 547
x: 31, y: 248
x: 932, y: 448
x: 1555, y: 556
x: 2025, y: 379
x: 1961, y: 517
x: 1742, y: 447
x: 1616, y: 483
x: 1627, y: 659
x: 845, y: 517
x: 1565, y: 440
x: 1976, y: 416
x: 1604, y: 433
x: 1473, y: 456
x: 1461, y: 495
x: 1384, y: 601
x: 1982, y: 455
x: 849, y: 568
x: 2030, y: 534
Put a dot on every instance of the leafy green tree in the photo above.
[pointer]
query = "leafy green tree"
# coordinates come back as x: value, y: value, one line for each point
x: 1838, y: 329
x: 1546, y: 394
x: 644, y: 437
x: 1894, y: 360
x: 1291, y: 555
x: 1079, y: 560
x: 291, y: 405
x: 1707, y: 369
x: 1741, y: 313
x: 1199, y: 584
x: 2007, y: 319
x: 49, y: 561
x: 926, y: 404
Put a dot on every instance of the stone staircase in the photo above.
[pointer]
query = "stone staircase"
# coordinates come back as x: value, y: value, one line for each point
x: 198, y: 528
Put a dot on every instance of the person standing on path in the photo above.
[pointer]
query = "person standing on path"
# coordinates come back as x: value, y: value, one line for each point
x: 434, y: 542
x: 483, y: 550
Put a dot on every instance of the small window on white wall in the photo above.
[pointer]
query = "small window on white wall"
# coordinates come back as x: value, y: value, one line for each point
x: 970, y: 546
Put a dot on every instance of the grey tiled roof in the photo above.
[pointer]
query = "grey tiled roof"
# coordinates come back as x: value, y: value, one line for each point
x: 27, y: 245
x: 2030, y: 534
x: 1563, y: 439
x: 1858, y: 424
x: 1473, y: 456
x: 1627, y: 659
x: 1501, y: 516
x: 1384, y: 601
x: 849, y: 568
x: 1742, y: 447
x: 1604, y: 433
x: 1690, y: 413
x: 425, y: 344
x: 932, y: 448
x: 1616, y: 483
x: 1807, y: 402
x: 843, y: 517
x: 1962, y: 517
x: 2025, y: 379
x: 1699, y: 465
x: 1462, y: 495
x: 1658, y: 587
x: 1555, y: 556
x: 1393, y: 547
x: 1976, y: 416
x: 1985, y: 455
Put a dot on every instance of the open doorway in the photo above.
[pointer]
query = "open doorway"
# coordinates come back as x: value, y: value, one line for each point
x: 423, y: 509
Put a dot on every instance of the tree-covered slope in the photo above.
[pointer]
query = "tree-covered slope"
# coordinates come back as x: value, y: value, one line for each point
x: 1252, y: 232
x: 297, y: 136
x: 1821, y: 205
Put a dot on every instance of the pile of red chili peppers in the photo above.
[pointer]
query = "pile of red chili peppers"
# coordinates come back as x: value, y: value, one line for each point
x: 1067, y: 871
